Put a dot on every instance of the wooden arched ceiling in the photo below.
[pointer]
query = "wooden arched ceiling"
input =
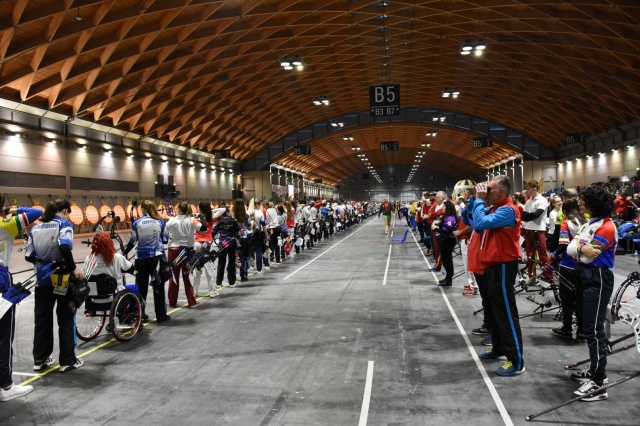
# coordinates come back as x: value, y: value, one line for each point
x: 206, y: 74
x: 334, y: 159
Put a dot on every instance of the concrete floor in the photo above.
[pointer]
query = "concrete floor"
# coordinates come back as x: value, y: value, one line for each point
x: 293, y: 347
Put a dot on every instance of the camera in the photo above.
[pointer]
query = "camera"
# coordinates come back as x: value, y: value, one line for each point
x: 134, y: 203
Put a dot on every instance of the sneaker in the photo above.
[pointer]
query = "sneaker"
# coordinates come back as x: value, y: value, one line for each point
x: 480, y: 331
x: 40, y: 366
x: 260, y: 272
x: 491, y: 354
x: 466, y: 286
x: 470, y: 292
x: 445, y: 283
x: 487, y: 341
x: 508, y: 369
x: 562, y: 332
x: 267, y: 268
x: 218, y: 286
x: 434, y: 270
x: 163, y: 319
x: 79, y: 363
x: 14, y: 391
x: 591, y: 386
x: 213, y: 294
x: 145, y: 317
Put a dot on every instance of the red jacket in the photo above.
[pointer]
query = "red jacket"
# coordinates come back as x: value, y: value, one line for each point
x: 473, y: 254
x: 434, y: 214
x: 501, y: 245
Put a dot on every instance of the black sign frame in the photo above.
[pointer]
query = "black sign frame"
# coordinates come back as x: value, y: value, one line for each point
x: 483, y: 142
x: 576, y: 138
x: 384, y: 100
x: 221, y: 153
x: 389, y: 146
x: 302, y: 150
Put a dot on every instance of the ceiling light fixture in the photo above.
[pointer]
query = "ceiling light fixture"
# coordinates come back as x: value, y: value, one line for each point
x: 347, y: 137
x: 475, y: 46
x: 432, y: 133
x: 451, y: 92
x: 336, y: 122
x: 322, y: 100
x: 291, y: 62
x: 440, y: 117
x: 355, y: 148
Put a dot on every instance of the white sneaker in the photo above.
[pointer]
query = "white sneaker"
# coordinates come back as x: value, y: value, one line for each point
x: 44, y: 365
x: 213, y: 294
x: 261, y: 272
x: 590, y: 386
x: 267, y: 268
x: 14, y: 391
x: 79, y: 363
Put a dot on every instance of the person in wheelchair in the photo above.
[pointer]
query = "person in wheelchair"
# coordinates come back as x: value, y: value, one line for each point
x: 109, y: 262
x: 107, y: 275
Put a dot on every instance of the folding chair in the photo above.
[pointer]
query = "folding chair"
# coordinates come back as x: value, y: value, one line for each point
x: 403, y: 239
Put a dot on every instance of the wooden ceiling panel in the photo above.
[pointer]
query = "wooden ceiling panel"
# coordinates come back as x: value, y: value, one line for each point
x: 207, y: 73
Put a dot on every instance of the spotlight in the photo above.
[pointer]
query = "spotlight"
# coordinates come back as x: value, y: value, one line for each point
x: 290, y: 62
x: 438, y: 118
x: 451, y: 92
x: 475, y: 46
x: 322, y: 100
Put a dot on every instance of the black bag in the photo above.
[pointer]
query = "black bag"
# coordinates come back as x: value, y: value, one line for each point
x: 105, y: 285
x: 78, y: 291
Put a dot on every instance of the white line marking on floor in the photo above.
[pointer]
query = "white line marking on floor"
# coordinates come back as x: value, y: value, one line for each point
x: 492, y: 390
x: 16, y: 373
x: 364, y: 413
x: 356, y: 346
x: 386, y: 270
x: 322, y: 254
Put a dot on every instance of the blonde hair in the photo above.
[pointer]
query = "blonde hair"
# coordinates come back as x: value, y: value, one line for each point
x: 150, y: 208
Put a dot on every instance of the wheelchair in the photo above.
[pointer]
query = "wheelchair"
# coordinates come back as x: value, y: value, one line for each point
x: 123, y: 308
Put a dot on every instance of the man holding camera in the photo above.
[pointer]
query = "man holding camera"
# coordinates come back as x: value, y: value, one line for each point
x: 495, y: 213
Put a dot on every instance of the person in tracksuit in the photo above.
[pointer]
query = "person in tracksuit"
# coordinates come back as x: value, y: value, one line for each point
x: 9, y: 229
x: 595, y: 248
x: 149, y: 232
x: 51, y: 240
x: 499, y: 253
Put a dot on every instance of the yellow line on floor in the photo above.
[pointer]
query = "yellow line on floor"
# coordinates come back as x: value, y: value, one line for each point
x: 102, y: 345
